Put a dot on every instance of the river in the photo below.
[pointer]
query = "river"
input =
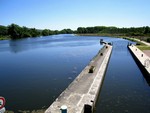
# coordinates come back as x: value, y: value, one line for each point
x: 34, y: 71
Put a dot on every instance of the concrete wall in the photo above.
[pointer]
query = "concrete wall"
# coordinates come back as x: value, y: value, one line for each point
x: 141, y: 59
x: 81, y: 95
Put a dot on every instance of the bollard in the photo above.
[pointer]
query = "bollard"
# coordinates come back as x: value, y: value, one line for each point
x: 101, y: 41
x: 87, y: 108
x: 91, y: 70
x: 63, y: 109
x: 142, y: 55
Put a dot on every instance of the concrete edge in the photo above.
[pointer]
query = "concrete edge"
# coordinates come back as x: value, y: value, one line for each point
x: 140, y: 62
x: 100, y: 75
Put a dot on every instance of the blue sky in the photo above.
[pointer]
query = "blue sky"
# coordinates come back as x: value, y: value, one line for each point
x: 60, y: 14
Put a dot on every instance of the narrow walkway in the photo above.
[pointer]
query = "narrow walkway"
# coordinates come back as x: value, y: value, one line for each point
x: 85, y: 88
x: 146, y: 43
x: 147, y: 52
x: 141, y: 56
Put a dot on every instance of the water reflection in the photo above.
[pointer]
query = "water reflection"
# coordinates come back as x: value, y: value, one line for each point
x: 21, y: 45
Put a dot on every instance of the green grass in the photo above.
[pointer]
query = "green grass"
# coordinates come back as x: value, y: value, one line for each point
x: 144, y: 47
x: 140, y: 45
x: 138, y: 42
x: 4, y: 37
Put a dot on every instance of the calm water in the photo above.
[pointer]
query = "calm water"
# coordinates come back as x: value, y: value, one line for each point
x: 124, y: 90
x: 34, y: 71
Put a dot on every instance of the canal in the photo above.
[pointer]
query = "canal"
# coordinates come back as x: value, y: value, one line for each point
x: 124, y: 90
x: 34, y: 71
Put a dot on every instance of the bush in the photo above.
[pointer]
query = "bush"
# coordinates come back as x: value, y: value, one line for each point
x: 148, y: 40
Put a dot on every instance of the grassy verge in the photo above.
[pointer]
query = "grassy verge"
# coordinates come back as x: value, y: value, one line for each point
x: 4, y: 37
x: 139, y: 44
x: 144, y: 47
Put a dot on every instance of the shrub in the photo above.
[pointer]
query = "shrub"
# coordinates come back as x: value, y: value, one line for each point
x: 148, y: 40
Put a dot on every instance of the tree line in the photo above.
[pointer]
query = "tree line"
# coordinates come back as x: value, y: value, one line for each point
x: 138, y: 31
x: 15, y: 31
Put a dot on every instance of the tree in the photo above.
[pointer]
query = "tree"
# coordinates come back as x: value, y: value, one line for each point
x: 148, y: 40
x: 81, y: 30
x: 34, y: 32
x: 45, y: 32
x: 146, y: 30
x: 25, y: 32
x: 66, y: 31
x: 3, y: 30
x: 14, y: 31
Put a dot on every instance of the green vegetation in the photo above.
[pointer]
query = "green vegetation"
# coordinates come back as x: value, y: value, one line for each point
x: 139, y: 44
x: 4, y: 37
x: 144, y: 47
x: 14, y: 31
x: 139, y: 32
x: 148, y: 40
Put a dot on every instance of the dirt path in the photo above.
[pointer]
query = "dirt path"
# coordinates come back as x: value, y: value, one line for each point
x: 147, y: 52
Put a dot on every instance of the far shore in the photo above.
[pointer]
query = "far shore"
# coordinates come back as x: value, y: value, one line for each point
x: 4, y: 37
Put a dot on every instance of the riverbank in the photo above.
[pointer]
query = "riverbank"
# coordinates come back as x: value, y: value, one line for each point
x: 142, y: 45
x: 4, y: 37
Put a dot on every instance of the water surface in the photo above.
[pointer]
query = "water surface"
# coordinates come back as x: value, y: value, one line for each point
x: 34, y: 71
x: 124, y: 90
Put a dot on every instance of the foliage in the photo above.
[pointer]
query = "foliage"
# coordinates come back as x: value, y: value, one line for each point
x: 146, y: 30
x: 16, y: 32
x: 148, y: 40
x: 34, y: 32
x: 139, y: 31
x: 139, y: 44
x: 46, y: 32
x: 3, y: 30
x: 3, y: 37
x: 66, y: 31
